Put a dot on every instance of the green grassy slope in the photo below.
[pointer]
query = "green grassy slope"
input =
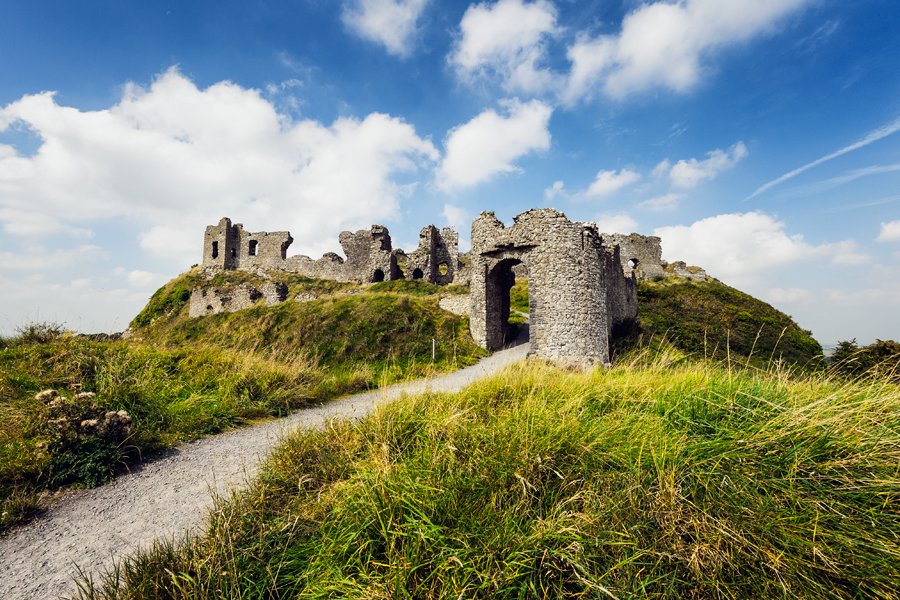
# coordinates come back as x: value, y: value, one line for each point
x: 179, y: 377
x: 710, y: 319
x: 659, y: 478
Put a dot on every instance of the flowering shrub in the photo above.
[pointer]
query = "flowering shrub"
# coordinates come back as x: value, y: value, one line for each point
x: 82, y: 439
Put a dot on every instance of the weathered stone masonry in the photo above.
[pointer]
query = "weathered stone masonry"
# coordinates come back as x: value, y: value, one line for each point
x: 642, y: 255
x: 577, y: 290
x: 370, y: 255
x: 582, y: 284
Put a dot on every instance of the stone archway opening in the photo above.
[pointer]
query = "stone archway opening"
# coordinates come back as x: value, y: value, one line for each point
x: 417, y: 273
x: 511, y: 301
x: 377, y: 276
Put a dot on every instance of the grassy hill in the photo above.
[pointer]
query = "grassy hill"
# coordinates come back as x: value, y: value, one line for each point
x: 709, y: 319
x: 712, y: 319
x: 662, y: 477
x: 179, y: 378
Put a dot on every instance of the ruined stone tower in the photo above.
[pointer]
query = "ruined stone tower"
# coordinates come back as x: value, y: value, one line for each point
x: 577, y: 290
x: 437, y: 257
x: 228, y: 246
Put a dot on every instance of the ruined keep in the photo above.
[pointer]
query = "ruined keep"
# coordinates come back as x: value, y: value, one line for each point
x: 370, y: 255
x: 578, y: 292
x: 639, y: 254
x: 642, y: 255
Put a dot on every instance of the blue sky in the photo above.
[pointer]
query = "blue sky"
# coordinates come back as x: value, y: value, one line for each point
x: 759, y: 138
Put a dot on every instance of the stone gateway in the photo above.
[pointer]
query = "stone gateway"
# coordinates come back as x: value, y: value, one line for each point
x: 578, y: 292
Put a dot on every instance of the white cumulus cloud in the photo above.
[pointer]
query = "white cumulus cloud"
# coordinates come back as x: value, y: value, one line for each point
x: 686, y: 174
x: 456, y: 217
x: 666, y: 44
x: 557, y: 190
x: 391, y: 23
x: 737, y: 247
x: 173, y: 158
x: 890, y: 232
x: 491, y: 143
x: 609, y: 182
x: 615, y: 223
x: 506, y: 40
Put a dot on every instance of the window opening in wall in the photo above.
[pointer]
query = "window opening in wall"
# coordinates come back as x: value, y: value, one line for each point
x: 252, y: 249
x: 633, y: 263
x: 377, y: 276
x: 443, y: 268
x: 418, y: 274
x: 215, y: 253
x: 234, y: 253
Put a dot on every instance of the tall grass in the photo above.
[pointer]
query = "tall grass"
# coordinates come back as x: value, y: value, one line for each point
x: 182, y: 378
x: 661, y: 478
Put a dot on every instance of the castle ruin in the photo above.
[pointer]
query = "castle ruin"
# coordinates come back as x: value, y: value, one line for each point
x: 370, y: 256
x: 578, y: 292
x: 582, y: 283
x: 642, y: 255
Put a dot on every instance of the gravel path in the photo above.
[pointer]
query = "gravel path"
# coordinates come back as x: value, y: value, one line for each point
x: 169, y: 496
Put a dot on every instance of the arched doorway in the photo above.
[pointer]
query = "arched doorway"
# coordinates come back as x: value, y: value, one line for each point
x: 507, y: 303
x: 417, y: 273
x: 377, y: 276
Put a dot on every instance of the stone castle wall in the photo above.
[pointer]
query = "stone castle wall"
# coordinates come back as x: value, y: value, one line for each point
x: 370, y: 256
x: 642, y: 255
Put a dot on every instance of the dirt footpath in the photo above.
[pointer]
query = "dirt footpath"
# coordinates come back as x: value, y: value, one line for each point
x: 89, y: 529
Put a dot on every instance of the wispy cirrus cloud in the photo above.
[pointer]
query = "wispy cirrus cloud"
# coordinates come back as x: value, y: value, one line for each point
x: 870, y: 138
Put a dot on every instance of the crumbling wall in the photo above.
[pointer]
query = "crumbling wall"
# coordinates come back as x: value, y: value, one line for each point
x: 638, y: 254
x: 369, y: 254
x: 577, y: 289
x: 370, y: 257
x: 621, y: 298
x: 212, y: 300
x: 436, y: 260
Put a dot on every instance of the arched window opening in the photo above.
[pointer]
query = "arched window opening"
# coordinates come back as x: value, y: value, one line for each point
x: 418, y: 274
x: 633, y: 263
x: 252, y: 249
x: 377, y: 276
